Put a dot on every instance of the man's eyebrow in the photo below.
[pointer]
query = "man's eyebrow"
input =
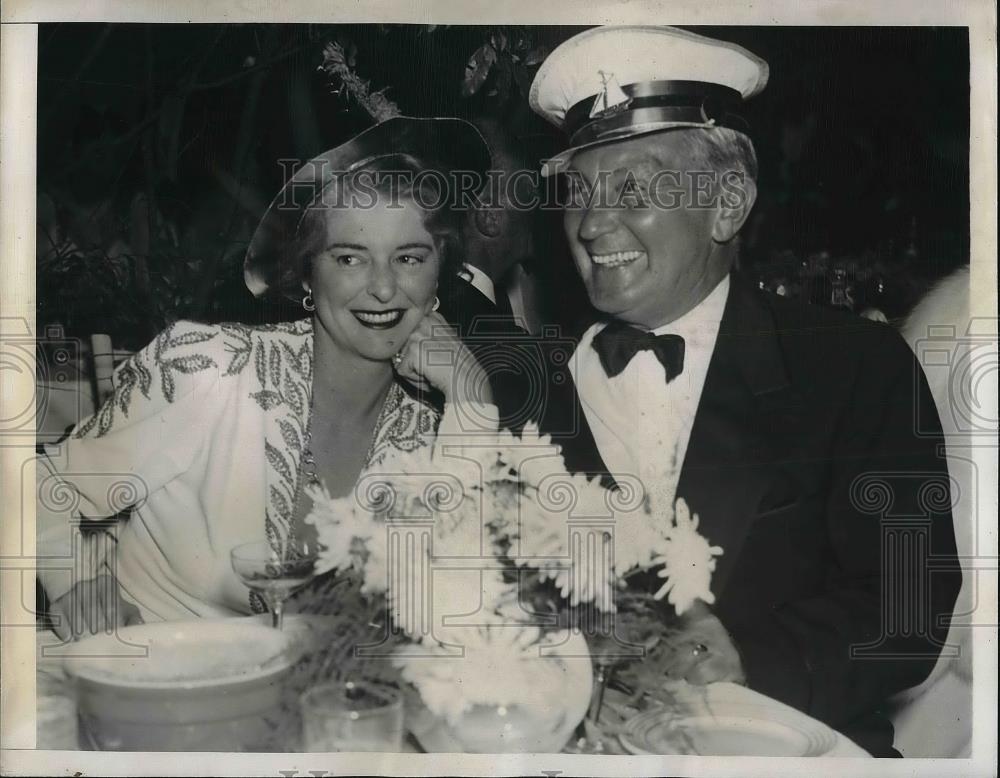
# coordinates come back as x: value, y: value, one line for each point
x: 640, y: 168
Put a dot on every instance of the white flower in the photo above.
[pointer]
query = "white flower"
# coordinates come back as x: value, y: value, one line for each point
x: 345, y: 530
x: 688, y: 562
x: 511, y: 498
x: 638, y: 536
x: 376, y: 567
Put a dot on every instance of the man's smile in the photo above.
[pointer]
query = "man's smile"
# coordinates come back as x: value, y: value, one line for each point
x: 616, y: 258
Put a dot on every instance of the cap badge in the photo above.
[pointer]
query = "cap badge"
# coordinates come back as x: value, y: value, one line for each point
x: 611, y: 98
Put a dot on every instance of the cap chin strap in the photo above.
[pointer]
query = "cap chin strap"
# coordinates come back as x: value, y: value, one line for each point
x: 693, y: 103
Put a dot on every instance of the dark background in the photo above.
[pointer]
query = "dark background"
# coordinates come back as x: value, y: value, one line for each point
x: 157, y: 149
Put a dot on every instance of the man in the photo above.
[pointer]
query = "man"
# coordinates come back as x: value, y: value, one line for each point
x: 778, y: 423
x: 492, y: 303
x: 497, y: 241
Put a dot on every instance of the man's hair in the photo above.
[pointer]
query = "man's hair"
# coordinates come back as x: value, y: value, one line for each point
x: 721, y: 149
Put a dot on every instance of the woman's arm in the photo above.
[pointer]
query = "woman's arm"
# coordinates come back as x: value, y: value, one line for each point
x: 143, y: 436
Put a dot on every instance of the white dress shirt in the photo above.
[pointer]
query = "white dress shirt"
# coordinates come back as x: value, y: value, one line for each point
x: 642, y: 424
x: 480, y: 281
x: 518, y: 291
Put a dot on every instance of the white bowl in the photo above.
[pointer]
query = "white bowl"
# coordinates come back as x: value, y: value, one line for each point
x: 207, y: 685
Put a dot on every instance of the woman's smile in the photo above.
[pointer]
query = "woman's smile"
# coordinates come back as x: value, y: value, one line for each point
x: 380, y: 320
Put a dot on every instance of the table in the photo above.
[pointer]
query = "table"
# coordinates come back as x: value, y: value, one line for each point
x: 57, y: 712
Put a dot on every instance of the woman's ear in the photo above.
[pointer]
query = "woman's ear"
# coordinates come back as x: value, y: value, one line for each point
x: 736, y: 199
x: 433, y: 303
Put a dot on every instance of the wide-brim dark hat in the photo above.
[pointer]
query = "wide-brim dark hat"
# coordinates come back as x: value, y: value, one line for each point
x: 445, y: 145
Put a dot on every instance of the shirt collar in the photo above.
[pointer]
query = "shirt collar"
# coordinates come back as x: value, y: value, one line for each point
x: 481, y: 281
x: 704, y: 318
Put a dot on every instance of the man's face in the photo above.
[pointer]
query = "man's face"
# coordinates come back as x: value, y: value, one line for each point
x: 516, y: 197
x: 644, y: 259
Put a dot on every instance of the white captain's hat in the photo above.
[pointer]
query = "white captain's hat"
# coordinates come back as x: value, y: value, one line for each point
x: 612, y: 83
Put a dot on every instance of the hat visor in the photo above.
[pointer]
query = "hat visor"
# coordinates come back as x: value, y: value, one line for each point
x: 444, y: 144
x: 559, y: 162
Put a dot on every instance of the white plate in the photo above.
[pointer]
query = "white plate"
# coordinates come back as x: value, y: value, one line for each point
x: 181, y: 654
x: 730, y: 720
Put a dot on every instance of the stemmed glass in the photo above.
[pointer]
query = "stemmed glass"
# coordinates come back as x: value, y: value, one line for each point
x: 273, y: 575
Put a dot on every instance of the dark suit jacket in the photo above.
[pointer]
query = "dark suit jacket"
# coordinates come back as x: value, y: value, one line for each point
x: 508, y: 354
x: 815, y: 462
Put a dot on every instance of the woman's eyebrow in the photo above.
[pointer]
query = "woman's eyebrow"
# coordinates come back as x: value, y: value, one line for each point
x: 351, y: 246
x: 415, y: 246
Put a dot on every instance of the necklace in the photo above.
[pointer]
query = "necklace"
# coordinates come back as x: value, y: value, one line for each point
x: 308, y: 468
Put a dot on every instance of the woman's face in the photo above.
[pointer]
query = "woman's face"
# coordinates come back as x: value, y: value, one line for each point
x: 375, y: 276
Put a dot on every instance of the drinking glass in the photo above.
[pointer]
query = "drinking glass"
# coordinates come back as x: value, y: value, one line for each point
x: 358, y: 715
x: 272, y: 575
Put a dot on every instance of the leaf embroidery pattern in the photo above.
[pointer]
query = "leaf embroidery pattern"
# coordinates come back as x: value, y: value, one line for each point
x: 128, y: 379
x: 259, y: 363
x: 271, y: 533
x: 187, y: 365
x: 282, y: 367
x: 103, y: 419
x: 294, y: 395
x: 190, y: 338
x: 280, y: 501
x: 266, y: 399
x: 145, y: 377
x: 239, y: 344
x: 277, y: 460
x: 405, y: 424
x: 135, y: 373
x: 274, y: 364
x: 289, y: 435
x: 301, y: 359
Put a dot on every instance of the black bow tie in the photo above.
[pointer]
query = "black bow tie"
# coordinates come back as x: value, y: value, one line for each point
x: 617, y: 343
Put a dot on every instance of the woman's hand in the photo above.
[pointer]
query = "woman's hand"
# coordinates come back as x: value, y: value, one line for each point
x: 434, y: 357
x: 92, y: 606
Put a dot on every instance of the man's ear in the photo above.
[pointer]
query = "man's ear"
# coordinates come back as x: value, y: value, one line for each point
x: 736, y: 199
x: 487, y: 221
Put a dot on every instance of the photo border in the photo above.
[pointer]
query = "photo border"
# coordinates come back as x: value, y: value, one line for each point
x: 18, y: 70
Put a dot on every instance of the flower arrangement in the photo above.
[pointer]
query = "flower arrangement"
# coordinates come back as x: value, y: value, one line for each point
x: 548, y: 546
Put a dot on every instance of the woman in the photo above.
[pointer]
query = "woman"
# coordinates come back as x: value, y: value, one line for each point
x: 214, y: 430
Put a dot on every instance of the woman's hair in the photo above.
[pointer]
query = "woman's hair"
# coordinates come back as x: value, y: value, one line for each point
x: 396, y: 177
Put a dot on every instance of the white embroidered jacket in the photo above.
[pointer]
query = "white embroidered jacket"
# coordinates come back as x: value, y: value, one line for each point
x: 203, y: 439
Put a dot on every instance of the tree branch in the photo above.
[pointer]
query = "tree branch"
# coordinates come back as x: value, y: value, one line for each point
x: 248, y: 71
x: 85, y: 63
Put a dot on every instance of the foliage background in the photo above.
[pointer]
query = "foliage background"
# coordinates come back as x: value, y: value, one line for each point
x: 158, y: 147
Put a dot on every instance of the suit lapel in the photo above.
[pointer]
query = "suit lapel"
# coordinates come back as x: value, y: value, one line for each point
x: 722, y: 478
x: 563, y: 416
